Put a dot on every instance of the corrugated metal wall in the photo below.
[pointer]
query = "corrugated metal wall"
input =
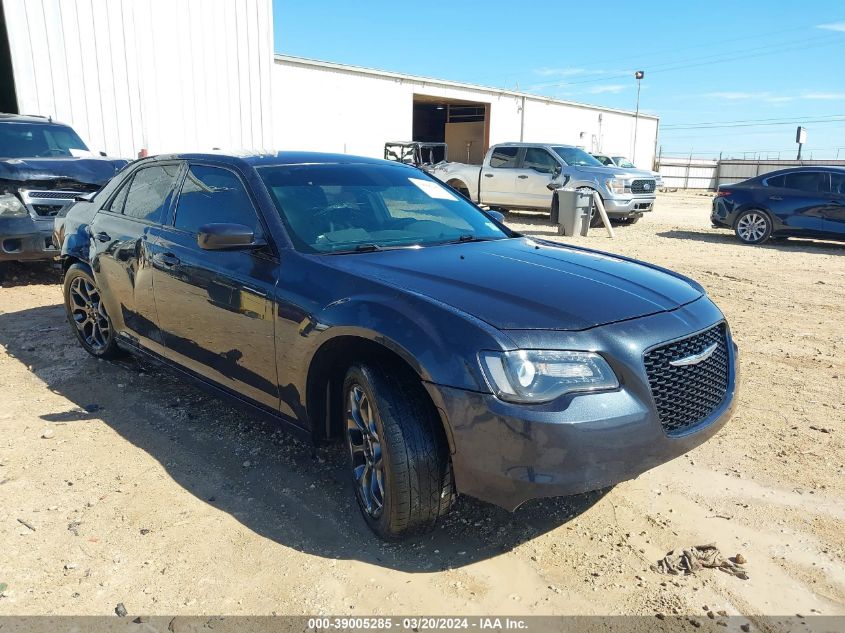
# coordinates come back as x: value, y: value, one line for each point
x: 166, y: 75
x: 686, y: 173
x: 731, y: 171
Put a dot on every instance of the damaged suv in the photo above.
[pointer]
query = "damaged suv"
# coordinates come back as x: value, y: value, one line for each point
x: 44, y: 167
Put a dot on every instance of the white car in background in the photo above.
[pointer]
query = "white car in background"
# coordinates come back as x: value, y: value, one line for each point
x: 621, y: 161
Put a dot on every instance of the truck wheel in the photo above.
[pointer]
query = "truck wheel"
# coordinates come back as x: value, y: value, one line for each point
x: 595, y: 217
x: 461, y: 188
x: 87, y: 314
x: 398, y: 451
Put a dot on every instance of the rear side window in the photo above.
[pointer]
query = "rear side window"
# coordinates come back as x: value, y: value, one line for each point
x: 837, y: 183
x: 504, y: 157
x: 212, y: 195
x: 149, y: 195
x: 775, y: 181
x: 804, y: 181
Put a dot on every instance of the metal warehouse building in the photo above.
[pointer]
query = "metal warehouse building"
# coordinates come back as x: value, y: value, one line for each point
x: 182, y: 75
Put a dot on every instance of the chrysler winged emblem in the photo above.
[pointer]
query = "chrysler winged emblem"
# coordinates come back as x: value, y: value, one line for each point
x: 695, y: 358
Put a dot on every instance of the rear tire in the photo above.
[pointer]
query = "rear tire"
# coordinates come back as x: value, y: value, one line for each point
x: 87, y: 314
x: 753, y: 226
x: 398, y: 452
x: 461, y: 188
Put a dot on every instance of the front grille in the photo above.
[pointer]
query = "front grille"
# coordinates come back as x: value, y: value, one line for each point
x: 53, y: 195
x: 642, y: 186
x: 48, y: 210
x: 686, y: 395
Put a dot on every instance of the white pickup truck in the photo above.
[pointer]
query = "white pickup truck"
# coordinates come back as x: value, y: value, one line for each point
x: 524, y: 176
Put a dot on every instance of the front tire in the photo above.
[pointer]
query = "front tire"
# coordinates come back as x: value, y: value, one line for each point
x: 753, y: 226
x: 87, y: 314
x: 398, y: 452
x: 595, y: 216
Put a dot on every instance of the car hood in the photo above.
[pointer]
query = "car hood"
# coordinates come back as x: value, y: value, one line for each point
x: 617, y: 172
x: 89, y: 171
x: 521, y: 284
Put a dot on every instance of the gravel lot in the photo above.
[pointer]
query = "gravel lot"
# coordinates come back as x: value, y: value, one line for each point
x: 119, y: 483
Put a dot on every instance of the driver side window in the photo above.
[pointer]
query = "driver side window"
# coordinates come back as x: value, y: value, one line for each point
x: 212, y: 195
x: 539, y: 160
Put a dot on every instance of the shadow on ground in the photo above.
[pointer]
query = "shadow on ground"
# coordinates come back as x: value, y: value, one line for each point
x: 782, y: 244
x: 288, y: 492
x: 29, y: 273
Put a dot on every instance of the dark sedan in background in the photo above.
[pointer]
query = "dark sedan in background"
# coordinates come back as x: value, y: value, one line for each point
x: 797, y: 202
x: 362, y: 299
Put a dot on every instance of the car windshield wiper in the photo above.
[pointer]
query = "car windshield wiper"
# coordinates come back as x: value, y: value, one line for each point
x: 369, y: 248
x: 360, y: 248
x: 468, y: 237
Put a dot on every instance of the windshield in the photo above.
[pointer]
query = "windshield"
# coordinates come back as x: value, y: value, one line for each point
x: 37, y: 140
x: 341, y: 208
x: 621, y: 161
x: 576, y: 157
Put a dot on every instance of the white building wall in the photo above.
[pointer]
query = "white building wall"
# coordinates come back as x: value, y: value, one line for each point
x: 332, y: 111
x: 165, y: 75
x: 329, y: 107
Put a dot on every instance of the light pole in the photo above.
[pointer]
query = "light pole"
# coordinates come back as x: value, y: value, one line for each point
x: 639, y: 77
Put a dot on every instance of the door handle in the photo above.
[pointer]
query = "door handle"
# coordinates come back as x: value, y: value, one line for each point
x: 775, y: 198
x: 102, y: 236
x: 488, y: 175
x: 168, y: 260
x: 522, y: 177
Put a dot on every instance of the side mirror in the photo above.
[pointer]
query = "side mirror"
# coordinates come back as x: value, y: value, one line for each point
x: 215, y: 237
x: 557, y: 182
x: 496, y: 215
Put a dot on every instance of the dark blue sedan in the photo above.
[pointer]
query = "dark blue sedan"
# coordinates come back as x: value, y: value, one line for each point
x: 363, y: 300
x: 796, y: 202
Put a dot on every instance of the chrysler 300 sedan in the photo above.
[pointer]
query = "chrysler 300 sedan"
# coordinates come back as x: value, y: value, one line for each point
x: 362, y: 299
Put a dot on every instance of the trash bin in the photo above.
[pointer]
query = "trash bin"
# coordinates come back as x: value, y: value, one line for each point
x: 573, y: 211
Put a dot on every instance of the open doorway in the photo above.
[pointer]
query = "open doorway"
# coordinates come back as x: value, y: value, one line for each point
x: 463, y: 125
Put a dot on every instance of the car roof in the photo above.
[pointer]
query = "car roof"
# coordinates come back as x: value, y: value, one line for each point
x: 266, y: 158
x: 521, y: 144
x: 6, y: 117
x: 799, y: 168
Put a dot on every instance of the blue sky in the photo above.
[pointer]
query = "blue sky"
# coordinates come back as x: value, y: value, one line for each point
x: 761, y: 68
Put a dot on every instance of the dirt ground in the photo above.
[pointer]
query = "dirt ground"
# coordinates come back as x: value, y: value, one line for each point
x: 152, y: 494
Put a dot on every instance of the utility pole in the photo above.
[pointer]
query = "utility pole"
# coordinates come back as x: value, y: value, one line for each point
x: 639, y: 77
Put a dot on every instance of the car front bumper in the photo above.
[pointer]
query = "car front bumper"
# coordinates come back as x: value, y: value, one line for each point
x: 507, y: 453
x: 627, y: 207
x: 26, y: 239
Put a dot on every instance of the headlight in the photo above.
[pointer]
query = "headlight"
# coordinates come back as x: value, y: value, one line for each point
x: 11, y: 207
x: 540, y: 376
x: 617, y: 185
